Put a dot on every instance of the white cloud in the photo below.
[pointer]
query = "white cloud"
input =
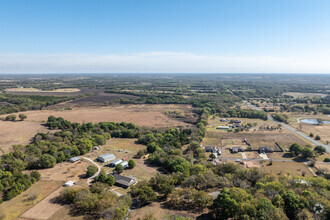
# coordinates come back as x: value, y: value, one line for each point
x: 159, y: 62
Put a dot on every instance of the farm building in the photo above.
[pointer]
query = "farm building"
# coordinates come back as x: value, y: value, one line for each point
x: 211, y: 149
x: 74, y: 159
x: 124, y: 181
x: 115, y: 162
x: 237, y: 149
x: 263, y: 150
x: 106, y: 157
x: 222, y: 127
x: 124, y: 164
x: 69, y: 183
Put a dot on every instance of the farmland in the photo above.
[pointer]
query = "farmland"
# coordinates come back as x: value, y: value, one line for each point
x: 142, y: 115
x: 170, y: 120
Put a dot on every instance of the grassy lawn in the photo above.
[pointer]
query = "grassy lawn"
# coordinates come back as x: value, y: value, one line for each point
x: 13, y: 208
x: 293, y: 168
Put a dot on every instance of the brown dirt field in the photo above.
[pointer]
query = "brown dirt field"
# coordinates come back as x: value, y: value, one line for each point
x: 19, y: 132
x: 64, y: 213
x: 38, y: 90
x: 44, y: 209
x: 13, y: 208
x: 65, y: 171
x: 300, y: 94
x: 159, y: 212
x: 142, y: 115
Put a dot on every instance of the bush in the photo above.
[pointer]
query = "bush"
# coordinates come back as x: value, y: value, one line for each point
x: 10, y: 118
x: 317, y: 137
x: 131, y: 164
x: 320, y: 149
x: 36, y: 175
x: 22, y: 116
x: 327, y: 160
x: 91, y: 170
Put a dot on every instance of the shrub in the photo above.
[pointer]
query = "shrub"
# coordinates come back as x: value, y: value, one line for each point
x: 91, y: 170
x: 36, y: 175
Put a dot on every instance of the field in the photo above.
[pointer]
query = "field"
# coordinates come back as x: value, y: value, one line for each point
x: 301, y: 95
x: 293, y: 168
x: 19, y: 132
x: 38, y: 191
x: 67, y: 90
x: 142, y: 115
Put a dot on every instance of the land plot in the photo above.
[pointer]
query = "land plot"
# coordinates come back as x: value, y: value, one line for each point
x: 44, y: 209
x: 13, y: 208
x: 142, y: 115
x: 65, y: 171
x: 322, y: 130
x: 56, y: 92
x: 278, y: 168
x: 18, y: 132
x: 301, y: 95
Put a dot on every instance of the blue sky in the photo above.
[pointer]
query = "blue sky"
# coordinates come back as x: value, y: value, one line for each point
x: 45, y: 36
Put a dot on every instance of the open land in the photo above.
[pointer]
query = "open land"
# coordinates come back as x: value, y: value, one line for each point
x: 301, y: 95
x: 38, y: 191
x: 18, y: 132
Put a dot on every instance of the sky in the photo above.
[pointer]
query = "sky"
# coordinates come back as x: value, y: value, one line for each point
x: 164, y: 36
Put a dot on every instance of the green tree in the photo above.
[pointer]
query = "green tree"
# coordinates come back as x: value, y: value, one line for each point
x: 295, y: 149
x: 22, y: 116
x: 10, y: 118
x: 91, y: 170
x: 320, y: 149
x: 212, y: 156
x: 131, y: 164
x: 119, y: 169
x: 307, y: 153
x: 36, y: 175
x: 47, y: 161
x: 144, y: 193
x: 317, y: 137
x: 291, y: 204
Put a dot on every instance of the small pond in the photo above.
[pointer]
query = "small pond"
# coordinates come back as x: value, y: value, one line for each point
x: 313, y: 121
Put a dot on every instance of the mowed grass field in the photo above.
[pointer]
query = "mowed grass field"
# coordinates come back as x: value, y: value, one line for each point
x: 13, y: 208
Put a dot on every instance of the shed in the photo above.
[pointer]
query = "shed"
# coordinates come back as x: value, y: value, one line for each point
x: 124, y: 164
x: 222, y: 127
x: 69, y: 183
x: 74, y: 159
x: 106, y: 157
x: 115, y: 162
x: 124, y: 181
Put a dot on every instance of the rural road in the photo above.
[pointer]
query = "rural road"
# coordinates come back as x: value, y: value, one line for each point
x: 327, y: 147
x: 90, y: 179
x: 260, y: 159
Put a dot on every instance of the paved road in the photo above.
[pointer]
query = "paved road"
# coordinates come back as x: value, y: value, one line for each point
x: 327, y: 147
x: 260, y: 159
x: 90, y: 179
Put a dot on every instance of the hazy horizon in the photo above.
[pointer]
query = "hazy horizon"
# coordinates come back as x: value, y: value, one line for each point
x: 187, y: 36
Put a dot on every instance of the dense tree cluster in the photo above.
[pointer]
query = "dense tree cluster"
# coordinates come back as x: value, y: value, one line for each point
x: 97, y: 201
x: 280, y: 117
x: 17, y: 103
x: 246, y: 113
